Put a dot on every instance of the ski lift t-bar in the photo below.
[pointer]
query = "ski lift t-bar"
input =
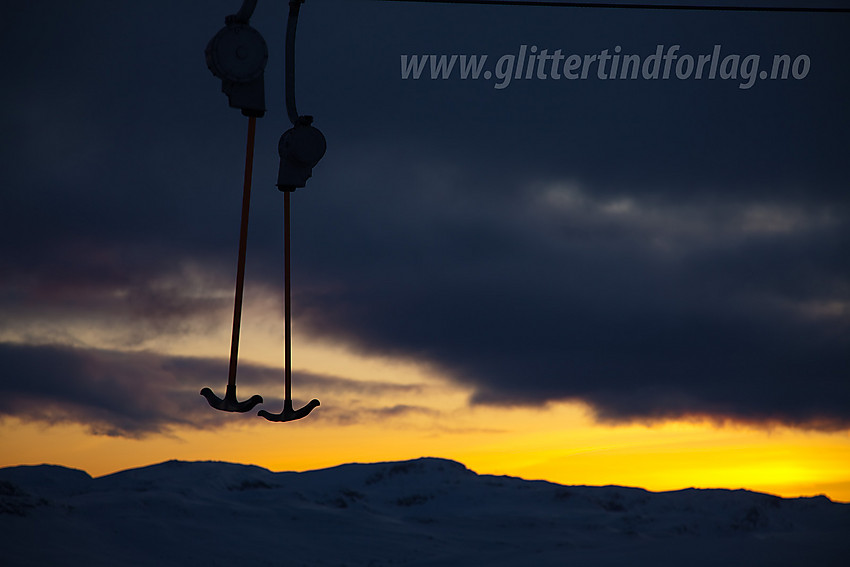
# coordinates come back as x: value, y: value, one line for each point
x: 237, y: 55
x: 300, y: 148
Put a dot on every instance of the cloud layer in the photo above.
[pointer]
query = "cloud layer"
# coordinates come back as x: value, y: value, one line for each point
x: 656, y: 249
x: 134, y: 394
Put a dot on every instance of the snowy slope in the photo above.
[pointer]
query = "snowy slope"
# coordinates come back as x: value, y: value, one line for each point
x: 422, y: 512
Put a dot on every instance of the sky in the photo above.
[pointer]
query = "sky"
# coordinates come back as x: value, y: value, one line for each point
x: 605, y: 280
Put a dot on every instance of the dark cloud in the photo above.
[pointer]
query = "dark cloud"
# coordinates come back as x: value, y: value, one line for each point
x: 657, y: 249
x: 644, y: 311
x: 112, y: 393
x: 134, y: 394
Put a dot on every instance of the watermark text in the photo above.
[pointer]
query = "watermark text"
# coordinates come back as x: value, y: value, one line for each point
x: 531, y: 63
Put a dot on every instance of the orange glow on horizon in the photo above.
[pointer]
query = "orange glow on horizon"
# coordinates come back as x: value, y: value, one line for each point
x: 668, y: 457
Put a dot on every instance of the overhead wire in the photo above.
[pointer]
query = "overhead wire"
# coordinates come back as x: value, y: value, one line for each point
x: 642, y: 6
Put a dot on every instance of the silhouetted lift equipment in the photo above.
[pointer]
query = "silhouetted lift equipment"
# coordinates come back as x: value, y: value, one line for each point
x: 237, y: 55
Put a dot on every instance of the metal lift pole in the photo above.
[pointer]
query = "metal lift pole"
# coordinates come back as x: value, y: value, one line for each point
x: 287, y: 301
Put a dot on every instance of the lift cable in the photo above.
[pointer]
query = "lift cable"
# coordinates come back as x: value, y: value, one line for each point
x: 613, y: 5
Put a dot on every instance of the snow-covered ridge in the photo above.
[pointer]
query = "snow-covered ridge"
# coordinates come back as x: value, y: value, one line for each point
x: 421, y: 512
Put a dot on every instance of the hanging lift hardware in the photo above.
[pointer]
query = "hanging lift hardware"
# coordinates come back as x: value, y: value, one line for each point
x: 238, y: 54
x: 300, y: 148
x: 230, y: 403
